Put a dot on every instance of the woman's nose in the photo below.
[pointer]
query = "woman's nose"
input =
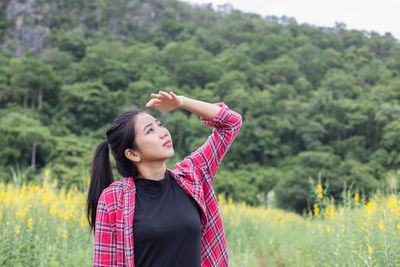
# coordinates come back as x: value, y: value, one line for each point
x: 164, y: 133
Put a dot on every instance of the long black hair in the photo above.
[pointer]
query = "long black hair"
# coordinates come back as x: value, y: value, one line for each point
x: 120, y: 136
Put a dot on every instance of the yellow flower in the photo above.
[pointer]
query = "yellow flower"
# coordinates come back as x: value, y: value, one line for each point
x: 393, y: 203
x: 17, y: 229
x: 357, y: 198
x: 380, y: 225
x: 319, y: 190
x: 370, y: 250
x: 330, y: 212
x: 64, y: 233
x: 30, y: 223
x: 369, y: 208
x: 47, y: 173
x: 88, y: 180
x: 316, y: 210
x: 328, y: 229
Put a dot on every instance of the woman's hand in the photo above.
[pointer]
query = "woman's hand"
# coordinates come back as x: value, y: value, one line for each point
x: 165, y: 101
x: 168, y: 102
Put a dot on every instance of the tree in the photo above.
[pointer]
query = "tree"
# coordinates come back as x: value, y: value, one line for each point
x: 282, y: 70
x: 391, y: 141
x: 272, y: 46
x: 24, y: 140
x: 300, y: 172
x: 70, y: 160
x: 138, y: 93
x: 102, y: 62
x: 310, y: 63
x: 240, y: 185
x: 87, y: 106
x: 230, y: 81
x: 197, y: 73
x: 33, y: 79
x: 359, y: 176
x: 73, y: 43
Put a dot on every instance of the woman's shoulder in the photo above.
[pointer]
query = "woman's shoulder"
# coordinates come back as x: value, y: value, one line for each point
x: 114, y: 190
x: 124, y: 183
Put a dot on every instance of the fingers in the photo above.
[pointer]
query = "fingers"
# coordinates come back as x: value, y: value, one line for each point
x: 165, y: 94
x: 161, y: 94
x: 159, y: 98
x: 156, y: 95
x: 153, y: 102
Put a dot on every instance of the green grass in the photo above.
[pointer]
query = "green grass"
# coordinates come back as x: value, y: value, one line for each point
x: 46, y: 226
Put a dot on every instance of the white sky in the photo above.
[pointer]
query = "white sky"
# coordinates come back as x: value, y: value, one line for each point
x: 371, y: 15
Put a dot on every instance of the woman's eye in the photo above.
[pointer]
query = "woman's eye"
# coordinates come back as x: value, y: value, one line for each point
x: 149, y: 130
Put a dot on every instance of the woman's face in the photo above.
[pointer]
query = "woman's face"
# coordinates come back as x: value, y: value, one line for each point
x: 153, y: 141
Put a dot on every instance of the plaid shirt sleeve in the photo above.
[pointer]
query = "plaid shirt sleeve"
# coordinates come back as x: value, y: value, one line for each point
x: 104, y: 238
x: 209, y: 156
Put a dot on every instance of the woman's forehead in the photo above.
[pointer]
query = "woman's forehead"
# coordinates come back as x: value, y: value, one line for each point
x: 143, y: 119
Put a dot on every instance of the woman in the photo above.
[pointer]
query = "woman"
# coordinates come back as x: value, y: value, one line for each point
x: 157, y: 216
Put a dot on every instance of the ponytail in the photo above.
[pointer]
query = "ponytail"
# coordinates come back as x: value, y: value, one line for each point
x: 101, y: 177
x: 120, y: 136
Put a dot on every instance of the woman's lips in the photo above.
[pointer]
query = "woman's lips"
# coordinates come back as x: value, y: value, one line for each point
x: 168, y: 143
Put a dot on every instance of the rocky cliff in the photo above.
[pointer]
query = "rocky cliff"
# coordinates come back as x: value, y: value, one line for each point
x: 29, y: 22
x: 27, y: 30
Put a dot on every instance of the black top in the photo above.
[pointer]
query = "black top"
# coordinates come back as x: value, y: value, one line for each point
x: 166, y: 225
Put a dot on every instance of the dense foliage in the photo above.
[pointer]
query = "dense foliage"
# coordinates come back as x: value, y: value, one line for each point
x: 317, y: 103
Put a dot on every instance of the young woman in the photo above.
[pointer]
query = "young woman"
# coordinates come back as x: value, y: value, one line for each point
x: 157, y: 216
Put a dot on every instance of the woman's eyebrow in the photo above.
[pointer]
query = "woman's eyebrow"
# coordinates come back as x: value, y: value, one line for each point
x: 150, y: 124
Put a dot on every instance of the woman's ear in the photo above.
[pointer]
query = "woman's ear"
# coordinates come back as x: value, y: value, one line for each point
x: 133, y: 155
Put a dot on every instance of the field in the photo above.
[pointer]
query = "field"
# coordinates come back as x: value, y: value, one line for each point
x: 41, y: 225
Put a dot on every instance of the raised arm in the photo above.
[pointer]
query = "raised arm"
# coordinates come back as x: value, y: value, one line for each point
x: 226, y: 123
x: 208, y: 157
x: 202, y: 109
x: 168, y: 102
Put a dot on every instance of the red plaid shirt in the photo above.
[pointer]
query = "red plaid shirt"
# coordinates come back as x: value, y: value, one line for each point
x: 113, y: 242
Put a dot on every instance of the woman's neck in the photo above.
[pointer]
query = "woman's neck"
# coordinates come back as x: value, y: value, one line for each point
x: 152, y: 171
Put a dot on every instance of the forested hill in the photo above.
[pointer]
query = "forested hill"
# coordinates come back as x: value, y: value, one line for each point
x: 317, y: 103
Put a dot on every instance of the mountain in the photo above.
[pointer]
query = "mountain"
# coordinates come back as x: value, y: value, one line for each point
x: 319, y: 105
